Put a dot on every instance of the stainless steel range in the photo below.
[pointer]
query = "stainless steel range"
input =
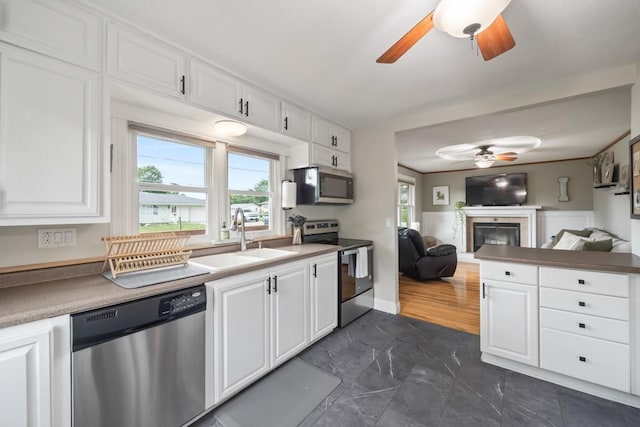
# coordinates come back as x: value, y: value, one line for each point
x: 355, y: 268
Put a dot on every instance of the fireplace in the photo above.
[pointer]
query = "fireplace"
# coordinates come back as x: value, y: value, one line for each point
x: 495, y: 233
x: 523, y: 217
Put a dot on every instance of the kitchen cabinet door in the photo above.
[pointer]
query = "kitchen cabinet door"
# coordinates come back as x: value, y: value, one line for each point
x: 261, y: 108
x: 330, y: 135
x: 289, y: 312
x: 138, y: 59
x: 55, y: 28
x: 509, y: 321
x: 296, y: 122
x: 322, y: 156
x: 35, y: 373
x: 214, y: 89
x: 324, y: 295
x: 54, y: 166
x: 241, y: 341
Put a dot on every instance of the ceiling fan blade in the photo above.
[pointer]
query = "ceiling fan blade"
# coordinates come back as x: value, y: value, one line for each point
x: 507, y: 156
x: 496, y: 39
x: 404, y: 44
x: 506, y: 159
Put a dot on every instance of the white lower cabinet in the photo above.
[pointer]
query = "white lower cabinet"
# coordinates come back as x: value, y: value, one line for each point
x: 259, y: 321
x: 584, y: 326
x: 289, y: 312
x: 35, y: 374
x: 324, y: 295
x: 509, y: 321
x: 598, y: 361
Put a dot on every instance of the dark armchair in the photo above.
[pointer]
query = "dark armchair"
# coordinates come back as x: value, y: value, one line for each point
x: 422, y: 263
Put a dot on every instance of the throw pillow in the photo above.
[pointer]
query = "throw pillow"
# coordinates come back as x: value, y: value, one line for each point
x: 598, y: 245
x: 582, y: 233
x: 569, y: 241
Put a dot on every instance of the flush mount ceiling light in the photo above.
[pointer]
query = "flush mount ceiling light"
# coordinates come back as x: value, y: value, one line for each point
x: 485, y: 153
x: 464, y: 18
x: 230, y: 128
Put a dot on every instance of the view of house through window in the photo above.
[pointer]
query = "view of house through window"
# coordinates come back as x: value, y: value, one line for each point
x: 406, y: 204
x: 250, y: 189
x: 172, y: 188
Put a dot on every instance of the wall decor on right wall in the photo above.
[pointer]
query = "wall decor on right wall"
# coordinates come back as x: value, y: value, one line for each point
x: 623, y: 179
x: 634, y: 154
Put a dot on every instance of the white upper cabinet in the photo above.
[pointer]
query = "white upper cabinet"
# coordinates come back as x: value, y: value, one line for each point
x: 53, y: 168
x: 214, y: 89
x: 220, y: 92
x: 260, y: 108
x: 296, y: 121
x: 149, y: 63
x: 330, y: 135
x: 54, y: 28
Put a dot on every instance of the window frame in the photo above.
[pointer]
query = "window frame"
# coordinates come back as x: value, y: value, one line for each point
x: 272, y: 193
x: 124, y: 197
x: 207, y: 189
x: 410, y: 205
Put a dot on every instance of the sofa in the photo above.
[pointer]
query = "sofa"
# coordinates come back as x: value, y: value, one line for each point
x: 419, y: 262
x: 588, y: 239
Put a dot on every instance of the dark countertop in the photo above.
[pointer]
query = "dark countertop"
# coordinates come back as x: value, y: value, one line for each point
x: 44, y: 299
x: 584, y: 260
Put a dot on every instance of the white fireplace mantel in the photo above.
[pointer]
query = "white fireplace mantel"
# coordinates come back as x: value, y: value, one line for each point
x: 529, y: 212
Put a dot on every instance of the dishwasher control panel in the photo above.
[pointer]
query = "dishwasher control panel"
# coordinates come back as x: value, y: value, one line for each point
x: 179, y: 303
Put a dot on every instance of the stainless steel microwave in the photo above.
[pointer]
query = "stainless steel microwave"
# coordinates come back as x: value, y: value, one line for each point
x: 323, y: 186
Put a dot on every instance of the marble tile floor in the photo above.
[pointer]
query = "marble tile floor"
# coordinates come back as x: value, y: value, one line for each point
x: 398, y: 371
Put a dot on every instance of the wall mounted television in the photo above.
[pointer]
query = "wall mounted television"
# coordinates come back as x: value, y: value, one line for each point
x: 507, y: 189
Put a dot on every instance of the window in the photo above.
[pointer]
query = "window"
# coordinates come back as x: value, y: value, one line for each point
x: 406, y: 208
x: 171, y: 184
x: 168, y: 180
x: 250, y: 188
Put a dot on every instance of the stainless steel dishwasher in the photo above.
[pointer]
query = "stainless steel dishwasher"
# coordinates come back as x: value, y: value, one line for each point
x: 140, y: 363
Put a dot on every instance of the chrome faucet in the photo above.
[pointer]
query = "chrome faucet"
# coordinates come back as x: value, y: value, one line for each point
x: 234, y: 227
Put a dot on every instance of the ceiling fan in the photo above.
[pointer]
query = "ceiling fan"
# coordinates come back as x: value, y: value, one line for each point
x: 485, y: 153
x: 481, y: 20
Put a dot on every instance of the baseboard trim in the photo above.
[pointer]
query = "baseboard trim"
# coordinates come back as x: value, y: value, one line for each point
x: 386, y: 306
x: 563, y: 380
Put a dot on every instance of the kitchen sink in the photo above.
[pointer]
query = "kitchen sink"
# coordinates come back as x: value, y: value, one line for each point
x: 238, y: 259
x: 267, y: 253
x: 226, y: 260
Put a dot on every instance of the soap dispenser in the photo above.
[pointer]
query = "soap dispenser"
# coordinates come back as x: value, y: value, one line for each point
x: 224, y: 232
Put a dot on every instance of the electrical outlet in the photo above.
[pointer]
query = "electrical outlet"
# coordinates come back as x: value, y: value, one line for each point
x: 56, y: 237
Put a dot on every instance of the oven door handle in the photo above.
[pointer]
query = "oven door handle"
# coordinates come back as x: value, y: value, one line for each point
x: 355, y: 251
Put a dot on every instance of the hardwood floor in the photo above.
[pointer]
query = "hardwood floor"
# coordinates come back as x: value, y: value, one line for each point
x: 453, y: 302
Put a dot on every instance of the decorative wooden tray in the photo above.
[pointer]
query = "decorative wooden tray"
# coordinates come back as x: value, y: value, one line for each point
x: 126, y: 254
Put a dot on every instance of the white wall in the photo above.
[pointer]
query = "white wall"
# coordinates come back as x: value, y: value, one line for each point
x: 373, y: 213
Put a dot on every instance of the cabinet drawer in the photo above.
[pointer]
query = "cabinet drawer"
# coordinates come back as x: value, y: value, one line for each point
x: 519, y: 273
x: 585, y: 281
x: 583, y: 324
x: 590, y: 359
x: 577, y: 302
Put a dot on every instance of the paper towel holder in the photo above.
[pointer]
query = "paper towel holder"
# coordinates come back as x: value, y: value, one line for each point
x: 289, y: 190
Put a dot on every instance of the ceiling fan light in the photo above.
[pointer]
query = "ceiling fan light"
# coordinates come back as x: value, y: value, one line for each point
x: 230, y: 128
x: 453, y: 16
x: 484, y: 163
